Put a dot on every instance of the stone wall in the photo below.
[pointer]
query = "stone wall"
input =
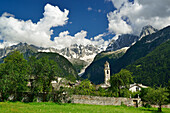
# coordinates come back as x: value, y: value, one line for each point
x: 85, y: 99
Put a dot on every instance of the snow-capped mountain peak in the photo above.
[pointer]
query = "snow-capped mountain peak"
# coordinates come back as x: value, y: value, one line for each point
x: 147, y: 30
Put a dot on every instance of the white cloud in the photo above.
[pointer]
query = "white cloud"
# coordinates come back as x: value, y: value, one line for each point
x: 89, y: 8
x: 99, y: 41
x: 13, y: 30
x: 7, y: 14
x: 131, y: 17
x: 65, y: 40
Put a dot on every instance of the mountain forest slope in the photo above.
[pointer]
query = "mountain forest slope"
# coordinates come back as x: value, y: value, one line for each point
x: 95, y: 72
x: 154, y: 68
x: 140, y: 49
x: 67, y: 69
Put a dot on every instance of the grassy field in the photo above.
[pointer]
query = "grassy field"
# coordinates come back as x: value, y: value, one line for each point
x: 18, y: 107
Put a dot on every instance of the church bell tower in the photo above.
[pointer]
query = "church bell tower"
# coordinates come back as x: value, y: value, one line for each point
x: 107, y: 73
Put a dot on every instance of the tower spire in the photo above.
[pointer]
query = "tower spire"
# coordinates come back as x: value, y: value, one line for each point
x: 107, y: 73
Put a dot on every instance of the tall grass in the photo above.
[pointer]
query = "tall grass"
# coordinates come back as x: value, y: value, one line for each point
x: 48, y: 107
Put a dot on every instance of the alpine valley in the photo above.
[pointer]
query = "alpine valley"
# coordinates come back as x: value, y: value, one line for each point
x: 146, y: 56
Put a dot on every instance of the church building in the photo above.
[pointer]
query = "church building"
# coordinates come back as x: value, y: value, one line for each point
x: 106, y: 75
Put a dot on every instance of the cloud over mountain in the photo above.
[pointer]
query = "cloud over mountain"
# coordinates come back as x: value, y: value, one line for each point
x: 13, y: 30
x: 130, y: 17
x: 65, y: 40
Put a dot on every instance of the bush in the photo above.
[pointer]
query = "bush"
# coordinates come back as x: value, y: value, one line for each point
x: 147, y: 105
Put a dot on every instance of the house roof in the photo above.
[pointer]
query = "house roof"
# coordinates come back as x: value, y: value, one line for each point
x: 139, y: 85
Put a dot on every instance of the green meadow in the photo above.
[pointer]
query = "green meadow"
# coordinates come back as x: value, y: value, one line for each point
x: 49, y: 107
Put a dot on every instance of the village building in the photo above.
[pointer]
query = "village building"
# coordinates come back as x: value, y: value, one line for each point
x: 106, y: 75
x: 133, y: 87
x: 136, y: 87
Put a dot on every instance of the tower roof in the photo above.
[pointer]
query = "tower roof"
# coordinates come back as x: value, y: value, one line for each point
x: 106, y: 63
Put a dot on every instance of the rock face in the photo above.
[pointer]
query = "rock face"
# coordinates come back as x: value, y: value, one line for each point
x: 86, y: 53
x: 22, y: 47
x: 147, y: 30
x: 125, y: 40
x: 80, y: 56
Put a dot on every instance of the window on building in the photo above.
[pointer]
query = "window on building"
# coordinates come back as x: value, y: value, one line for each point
x: 137, y: 88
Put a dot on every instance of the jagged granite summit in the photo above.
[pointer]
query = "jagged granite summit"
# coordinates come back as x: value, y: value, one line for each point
x: 124, y: 40
x: 147, y: 30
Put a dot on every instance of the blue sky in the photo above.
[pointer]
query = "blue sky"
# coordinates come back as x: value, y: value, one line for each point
x: 46, y: 23
x: 80, y: 18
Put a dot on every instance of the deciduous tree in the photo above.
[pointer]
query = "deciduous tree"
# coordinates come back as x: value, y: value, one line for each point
x: 121, y: 80
x: 44, y: 71
x: 157, y: 96
x: 13, y: 75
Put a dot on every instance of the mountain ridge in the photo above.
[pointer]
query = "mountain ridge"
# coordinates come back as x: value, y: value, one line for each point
x: 140, y: 49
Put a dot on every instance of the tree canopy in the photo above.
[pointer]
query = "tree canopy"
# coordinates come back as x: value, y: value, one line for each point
x: 121, y: 80
x: 157, y: 96
x: 13, y: 75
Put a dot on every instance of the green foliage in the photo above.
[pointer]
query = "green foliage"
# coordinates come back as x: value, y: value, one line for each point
x: 13, y: 75
x: 78, y: 64
x: 153, y: 69
x: 43, y: 71
x: 40, y: 71
x: 85, y: 88
x: 121, y: 80
x: 67, y: 70
x: 157, y: 96
x: 147, y: 105
x: 63, y: 95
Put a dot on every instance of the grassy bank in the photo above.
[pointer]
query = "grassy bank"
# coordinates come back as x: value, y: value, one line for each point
x: 18, y: 107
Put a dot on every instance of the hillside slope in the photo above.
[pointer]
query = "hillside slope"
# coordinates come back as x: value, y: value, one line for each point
x: 67, y: 69
x: 140, y: 49
x: 95, y: 72
x: 154, y: 68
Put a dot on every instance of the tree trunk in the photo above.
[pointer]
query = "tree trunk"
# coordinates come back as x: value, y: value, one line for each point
x: 119, y: 92
x: 160, y: 108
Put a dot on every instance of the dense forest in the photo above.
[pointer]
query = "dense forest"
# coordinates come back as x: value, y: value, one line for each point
x: 154, y: 68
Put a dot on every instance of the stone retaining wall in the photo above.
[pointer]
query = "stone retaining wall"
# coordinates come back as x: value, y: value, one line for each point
x: 86, y: 99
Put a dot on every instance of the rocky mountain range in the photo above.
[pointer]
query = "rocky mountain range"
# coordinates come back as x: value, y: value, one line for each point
x: 80, y: 56
x: 124, y: 40
x: 127, y: 40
